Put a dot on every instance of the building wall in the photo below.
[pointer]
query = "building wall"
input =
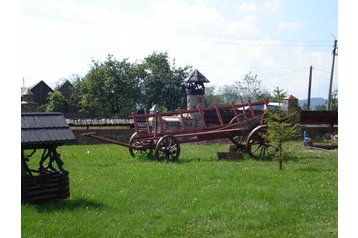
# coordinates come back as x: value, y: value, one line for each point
x: 194, y: 100
x: 41, y: 91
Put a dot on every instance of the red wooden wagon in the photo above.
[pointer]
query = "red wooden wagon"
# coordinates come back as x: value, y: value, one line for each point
x: 163, y: 132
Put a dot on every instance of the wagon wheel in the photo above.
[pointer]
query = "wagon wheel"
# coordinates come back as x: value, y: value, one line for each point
x: 259, y: 147
x: 167, y: 148
x: 239, y: 139
x: 134, y: 141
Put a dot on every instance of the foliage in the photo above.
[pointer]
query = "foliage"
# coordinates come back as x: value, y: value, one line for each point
x: 162, y: 83
x: 113, y: 195
x: 56, y: 103
x: 280, y: 128
x: 119, y: 87
x: 322, y: 107
x: 263, y: 95
x: 249, y: 87
x: 278, y: 95
x: 109, y: 87
x: 211, y: 98
x: 305, y: 107
x: 334, y: 100
x: 229, y: 93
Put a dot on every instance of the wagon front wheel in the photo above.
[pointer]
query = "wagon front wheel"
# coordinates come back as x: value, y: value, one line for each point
x: 134, y: 141
x: 167, y: 148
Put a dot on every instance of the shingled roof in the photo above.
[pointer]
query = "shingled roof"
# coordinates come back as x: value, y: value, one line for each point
x: 44, y: 129
x: 196, y: 77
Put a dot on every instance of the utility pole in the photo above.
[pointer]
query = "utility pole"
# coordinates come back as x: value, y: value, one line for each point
x: 309, y: 90
x: 334, y: 52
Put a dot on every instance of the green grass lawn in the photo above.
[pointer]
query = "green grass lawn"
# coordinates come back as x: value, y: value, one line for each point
x: 114, y: 195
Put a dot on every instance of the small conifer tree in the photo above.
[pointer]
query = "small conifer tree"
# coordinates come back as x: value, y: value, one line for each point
x: 280, y: 128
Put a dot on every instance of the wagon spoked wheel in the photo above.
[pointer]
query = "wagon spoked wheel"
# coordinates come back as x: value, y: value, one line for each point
x: 238, y: 140
x: 167, y: 148
x: 259, y: 147
x: 134, y: 141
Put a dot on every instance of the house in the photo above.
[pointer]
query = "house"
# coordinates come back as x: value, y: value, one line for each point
x: 66, y: 89
x: 34, y: 96
x: 40, y: 92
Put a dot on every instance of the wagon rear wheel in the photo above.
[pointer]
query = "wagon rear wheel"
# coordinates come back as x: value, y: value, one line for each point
x: 167, y: 148
x: 134, y: 141
x: 259, y: 147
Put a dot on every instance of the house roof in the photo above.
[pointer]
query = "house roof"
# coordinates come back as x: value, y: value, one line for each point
x: 196, y: 77
x: 290, y: 97
x: 40, y: 83
x: 42, y: 129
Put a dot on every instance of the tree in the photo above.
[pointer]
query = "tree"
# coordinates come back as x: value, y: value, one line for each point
x: 249, y: 87
x: 109, y: 87
x: 280, y: 128
x: 210, y: 98
x: 162, y: 83
x: 279, y: 95
x: 334, y: 100
x: 322, y: 107
x: 305, y: 107
x: 56, y: 103
x: 229, y: 93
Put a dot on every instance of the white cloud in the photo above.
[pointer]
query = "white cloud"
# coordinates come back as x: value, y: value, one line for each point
x: 270, y: 6
x: 289, y: 25
x: 247, y: 6
x: 62, y: 39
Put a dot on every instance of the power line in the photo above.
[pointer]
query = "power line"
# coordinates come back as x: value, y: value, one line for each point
x: 325, y: 71
x: 279, y: 75
x: 213, y: 38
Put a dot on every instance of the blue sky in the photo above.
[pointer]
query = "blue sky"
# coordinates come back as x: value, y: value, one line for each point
x: 277, y: 40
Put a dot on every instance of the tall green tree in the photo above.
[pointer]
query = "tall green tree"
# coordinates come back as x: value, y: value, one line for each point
x: 109, y: 88
x: 161, y: 82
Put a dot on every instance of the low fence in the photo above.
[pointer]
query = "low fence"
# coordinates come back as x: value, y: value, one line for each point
x: 319, y: 118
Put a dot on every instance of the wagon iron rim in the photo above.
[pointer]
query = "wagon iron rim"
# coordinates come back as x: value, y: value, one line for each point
x: 167, y: 148
x: 259, y: 147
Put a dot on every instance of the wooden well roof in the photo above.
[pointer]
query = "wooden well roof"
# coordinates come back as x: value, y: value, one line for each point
x: 44, y: 129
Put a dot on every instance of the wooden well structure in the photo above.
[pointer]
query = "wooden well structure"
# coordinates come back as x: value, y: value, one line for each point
x: 41, y: 134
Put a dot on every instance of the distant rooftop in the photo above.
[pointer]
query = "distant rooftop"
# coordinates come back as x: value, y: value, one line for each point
x: 290, y: 97
x: 196, y: 77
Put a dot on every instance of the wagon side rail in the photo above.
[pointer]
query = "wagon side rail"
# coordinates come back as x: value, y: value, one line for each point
x: 154, y: 124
